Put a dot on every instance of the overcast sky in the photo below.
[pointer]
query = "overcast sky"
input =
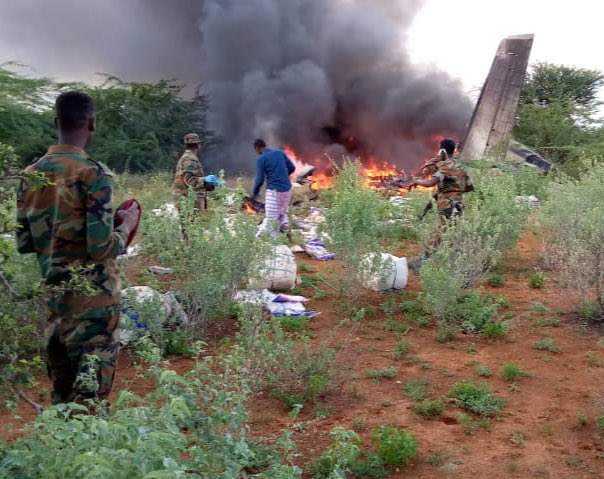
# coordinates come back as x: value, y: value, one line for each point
x: 460, y: 36
x: 567, y: 32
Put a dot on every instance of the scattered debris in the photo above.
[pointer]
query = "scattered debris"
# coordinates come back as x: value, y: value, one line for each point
x: 131, y: 252
x: 399, y: 201
x: 168, y: 210
x: 531, y: 201
x: 315, y: 248
x: 135, y: 299
x: 279, y: 305
x: 160, y: 270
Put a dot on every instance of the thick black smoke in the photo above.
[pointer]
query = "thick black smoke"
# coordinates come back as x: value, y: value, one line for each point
x: 305, y: 73
x: 310, y: 73
x: 144, y: 40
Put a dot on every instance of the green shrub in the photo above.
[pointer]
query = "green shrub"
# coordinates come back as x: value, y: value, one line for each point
x: 512, y: 372
x: 394, y: 446
x: 573, y: 230
x: 547, y: 345
x: 354, y: 222
x: 600, y: 423
x: 495, y: 280
x: 477, y: 398
x: 429, y: 409
x: 293, y: 324
x: 416, y: 389
x: 482, y: 370
x: 589, y: 311
x: 368, y: 466
x: 303, y: 376
x: 384, y: 373
x: 537, y: 280
x: 472, y: 313
x: 416, y: 312
x: 495, y: 330
x: 338, y: 459
x: 471, y: 245
x: 401, y: 349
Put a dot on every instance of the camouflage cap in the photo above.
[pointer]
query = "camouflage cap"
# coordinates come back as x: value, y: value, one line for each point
x: 192, y: 139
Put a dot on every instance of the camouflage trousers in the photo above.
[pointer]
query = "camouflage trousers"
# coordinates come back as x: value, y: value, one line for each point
x: 445, y: 216
x: 82, y: 356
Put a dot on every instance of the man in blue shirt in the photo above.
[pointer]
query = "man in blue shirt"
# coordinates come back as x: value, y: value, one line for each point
x: 274, y: 167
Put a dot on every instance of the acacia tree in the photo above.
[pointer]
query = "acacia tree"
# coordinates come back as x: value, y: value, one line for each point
x: 140, y: 125
x: 557, y: 112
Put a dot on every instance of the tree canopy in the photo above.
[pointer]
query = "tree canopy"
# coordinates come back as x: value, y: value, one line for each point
x: 140, y: 125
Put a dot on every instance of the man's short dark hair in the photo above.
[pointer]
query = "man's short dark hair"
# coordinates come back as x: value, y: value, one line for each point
x: 74, y: 109
x: 260, y: 143
x: 448, y: 145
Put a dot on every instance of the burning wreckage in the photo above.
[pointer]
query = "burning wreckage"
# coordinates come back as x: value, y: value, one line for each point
x: 488, y: 134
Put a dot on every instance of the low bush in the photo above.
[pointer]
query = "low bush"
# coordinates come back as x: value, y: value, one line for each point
x: 477, y: 398
x: 416, y: 389
x: 573, y: 230
x: 547, y: 345
x: 512, y: 372
x: 537, y: 280
x: 495, y: 280
x: 385, y: 373
x: 394, y: 446
x: 337, y: 461
x: 429, y: 409
x: 472, y: 244
x: 472, y: 312
x: 495, y: 330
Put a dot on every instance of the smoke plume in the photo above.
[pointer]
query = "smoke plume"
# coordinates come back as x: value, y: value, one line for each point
x: 318, y: 75
x: 315, y: 73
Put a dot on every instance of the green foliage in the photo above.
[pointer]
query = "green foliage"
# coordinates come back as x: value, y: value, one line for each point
x: 429, y: 409
x: 537, y: 280
x: 416, y: 389
x: 482, y: 370
x: 394, y: 446
x: 384, y: 373
x: 546, y: 345
x: 495, y: 330
x: 189, y: 426
x: 556, y: 116
x: 354, y: 221
x: 140, y: 125
x: 472, y: 244
x: 302, y: 376
x: 416, y: 312
x: 294, y: 324
x: 512, y: 372
x: 336, y: 462
x: 589, y: 311
x: 477, y: 398
x: 401, y: 349
x: 472, y: 312
x: 21, y: 312
x: 495, y: 280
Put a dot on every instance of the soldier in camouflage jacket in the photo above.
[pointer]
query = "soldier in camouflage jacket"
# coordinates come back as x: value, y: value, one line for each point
x: 68, y: 224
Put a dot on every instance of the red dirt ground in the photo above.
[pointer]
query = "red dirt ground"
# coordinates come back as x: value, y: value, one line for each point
x: 539, y: 434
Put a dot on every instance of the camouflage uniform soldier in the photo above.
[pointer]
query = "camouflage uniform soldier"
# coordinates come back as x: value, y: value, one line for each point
x: 452, y: 182
x: 189, y: 173
x: 69, y: 225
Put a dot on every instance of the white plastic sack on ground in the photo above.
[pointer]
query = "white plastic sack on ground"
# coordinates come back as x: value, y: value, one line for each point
x: 384, y: 272
x: 168, y: 210
x: 278, y: 272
